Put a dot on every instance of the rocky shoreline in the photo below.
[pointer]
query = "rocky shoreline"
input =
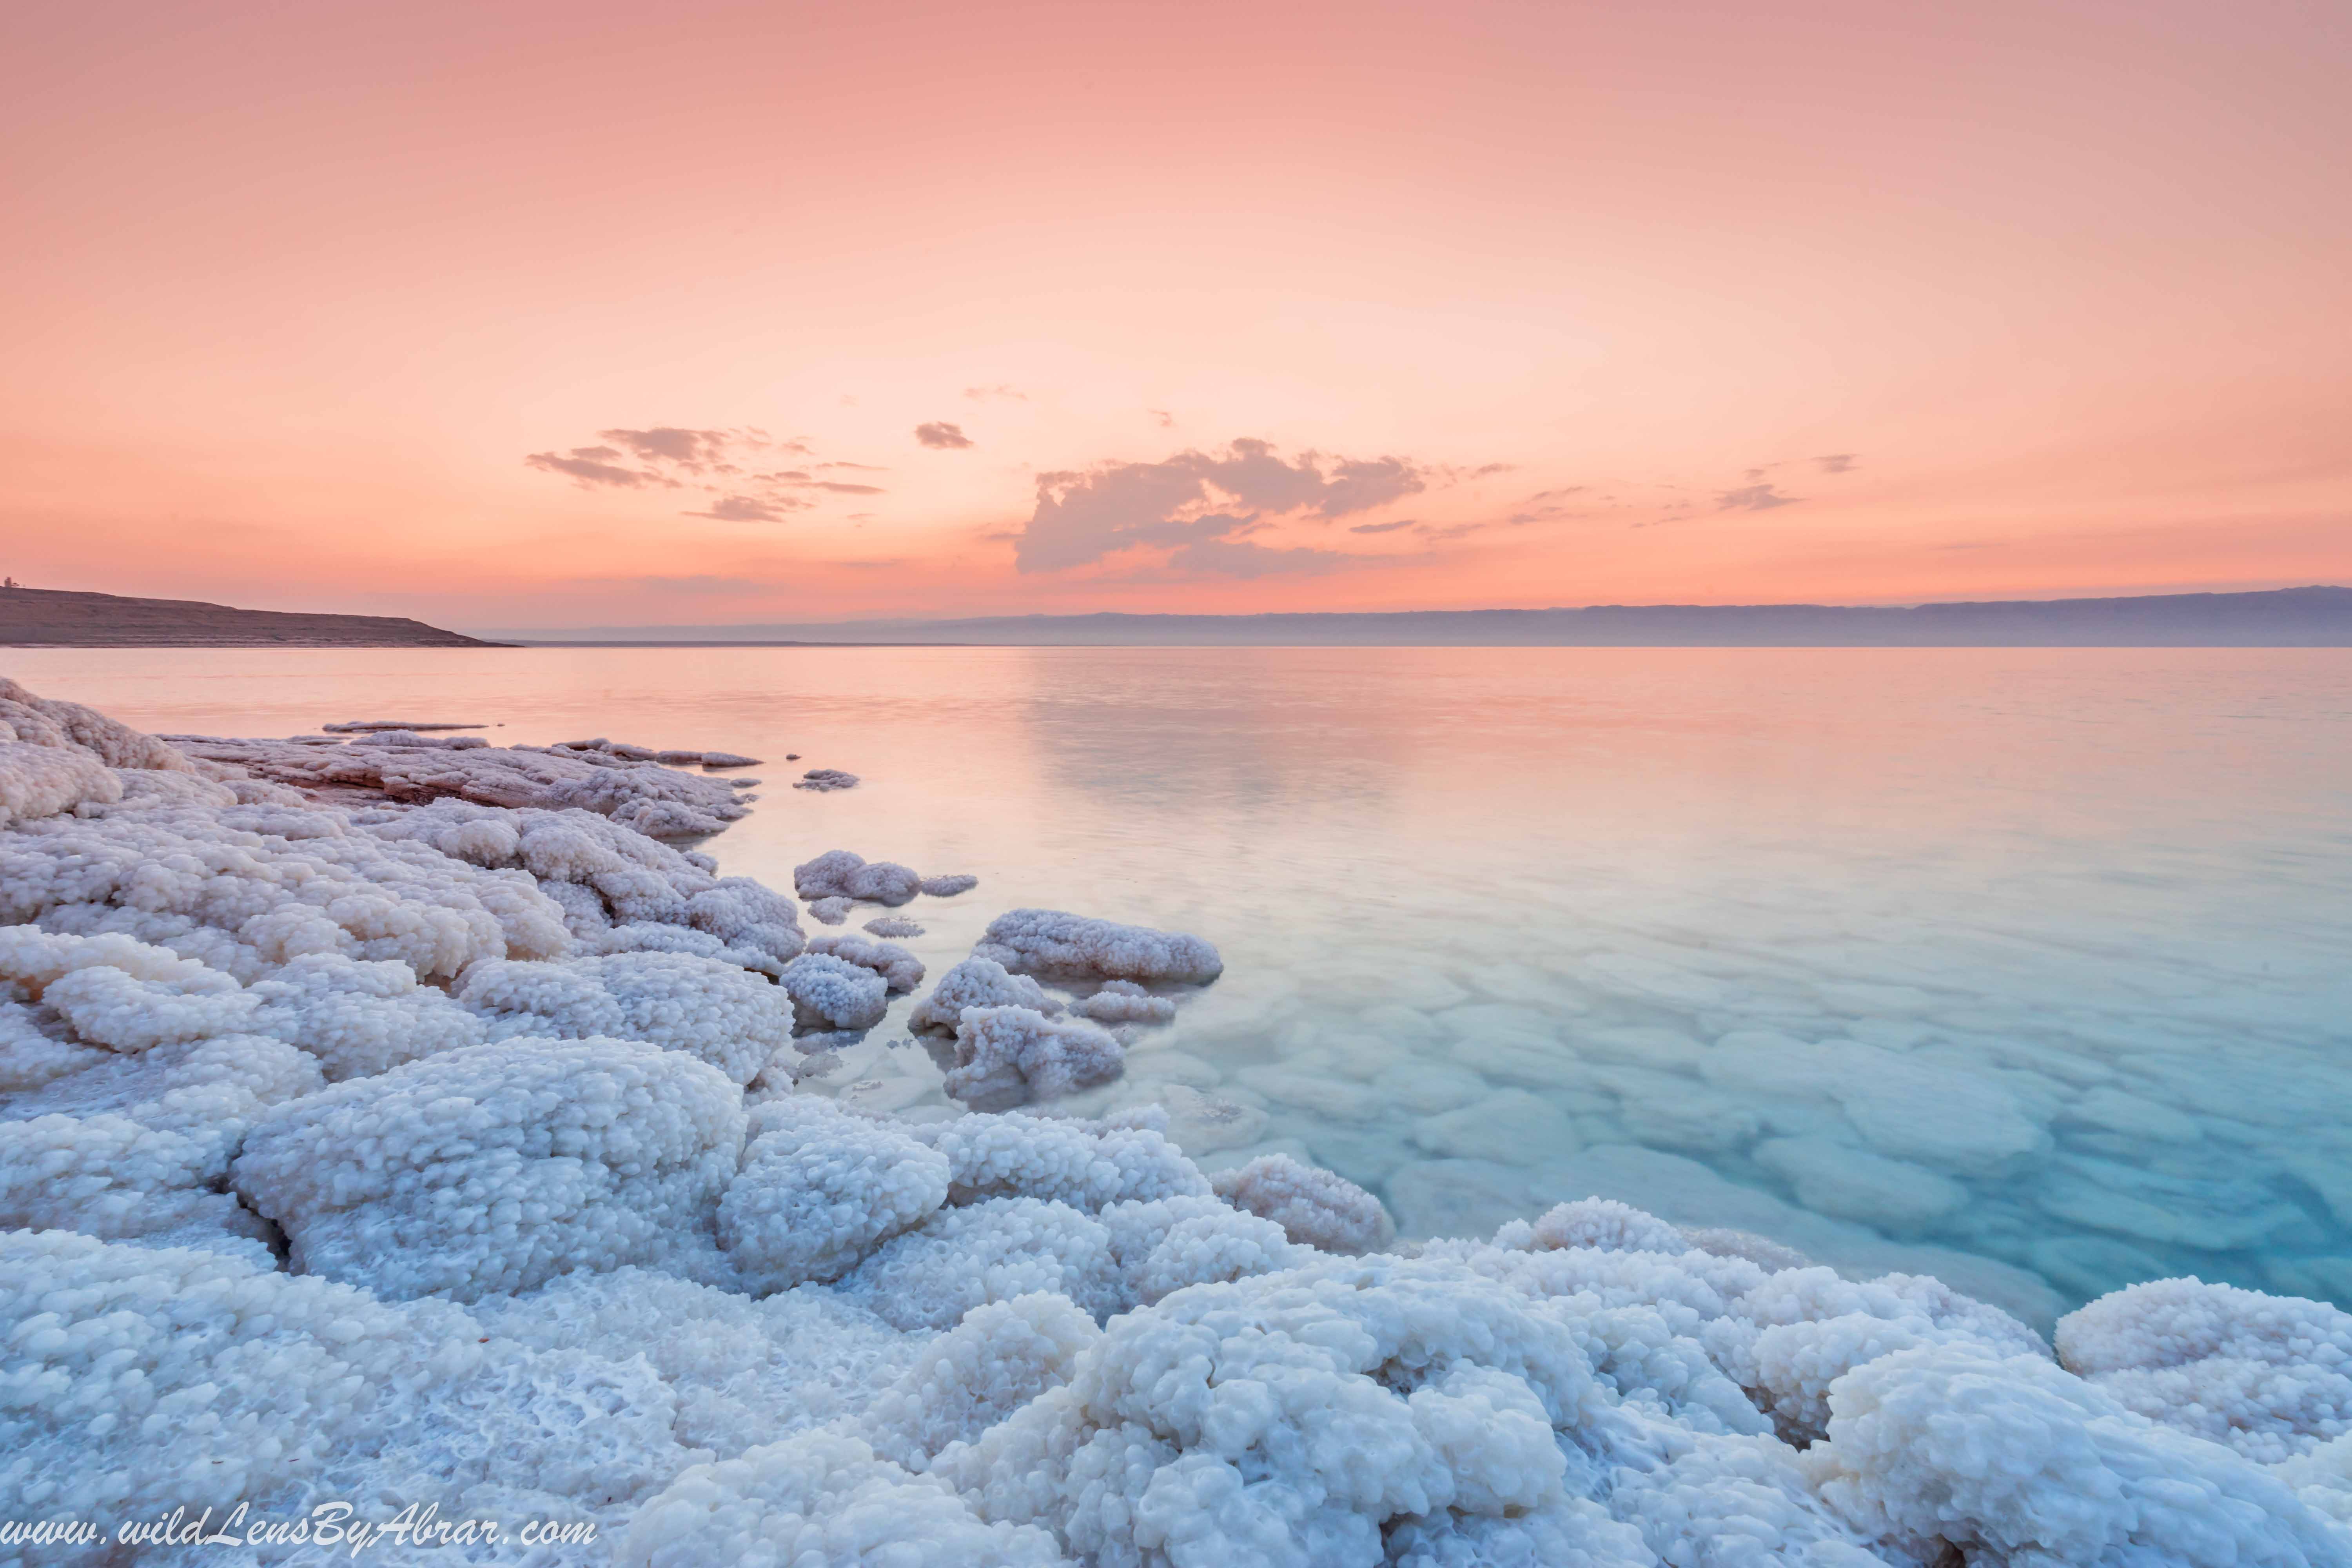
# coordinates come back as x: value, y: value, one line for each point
x: 396, y: 1123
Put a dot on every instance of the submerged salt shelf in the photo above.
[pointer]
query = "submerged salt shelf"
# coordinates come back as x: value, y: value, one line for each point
x: 668, y: 1272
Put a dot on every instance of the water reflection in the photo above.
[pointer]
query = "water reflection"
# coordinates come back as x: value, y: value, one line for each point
x: 2022, y: 967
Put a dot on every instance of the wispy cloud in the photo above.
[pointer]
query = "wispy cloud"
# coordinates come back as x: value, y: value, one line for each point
x: 942, y: 436
x: 733, y: 467
x: 1753, y: 497
x: 982, y: 394
x: 1194, y: 497
x: 1835, y: 463
x: 1381, y: 527
x: 1161, y: 418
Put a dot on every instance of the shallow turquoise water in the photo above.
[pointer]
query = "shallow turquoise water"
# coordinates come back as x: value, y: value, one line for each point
x: 2024, y: 967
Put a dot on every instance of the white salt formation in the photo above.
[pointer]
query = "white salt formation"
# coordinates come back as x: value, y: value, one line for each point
x: 403, y: 766
x: 362, y: 726
x: 827, y: 779
x: 1050, y: 943
x: 448, y: 1153
x: 840, y: 874
x: 892, y: 926
x: 1011, y: 1056
x: 1125, y: 1002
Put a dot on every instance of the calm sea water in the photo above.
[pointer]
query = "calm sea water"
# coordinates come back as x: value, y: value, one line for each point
x: 2027, y: 968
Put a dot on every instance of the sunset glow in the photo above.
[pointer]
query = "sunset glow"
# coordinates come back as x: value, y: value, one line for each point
x: 523, y: 315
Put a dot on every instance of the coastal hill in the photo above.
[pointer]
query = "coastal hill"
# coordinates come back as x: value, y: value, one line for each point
x: 2285, y: 617
x: 48, y: 617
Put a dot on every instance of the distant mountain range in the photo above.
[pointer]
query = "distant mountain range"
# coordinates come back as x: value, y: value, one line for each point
x: 50, y: 617
x: 2285, y: 617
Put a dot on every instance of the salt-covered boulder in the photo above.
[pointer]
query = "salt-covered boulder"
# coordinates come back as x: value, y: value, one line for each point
x: 1089, y: 1165
x: 1003, y: 1355
x: 901, y: 971
x: 497, y: 1167
x: 893, y: 927
x: 2270, y: 1376
x: 2012, y: 1460
x: 1010, y: 1056
x: 832, y: 993
x: 825, y: 780
x: 977, y: 983
x: 53, y: 722
x: 819, y: 1189
x: 840, y: 874
x: 42, y: 781
x: 1314, y: 1208
x: 732, y: 1019
x: 106, y: 1175
x: 821, y: 1500
x: 948, y: 887
x: 1125, y: 1002
x: 255, y: 1375
x: 1049, y: 942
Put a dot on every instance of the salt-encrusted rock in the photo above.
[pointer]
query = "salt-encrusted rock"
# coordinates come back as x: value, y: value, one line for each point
x: 141, y: 1379
x: 1011, y: 1056
x: 497, y: 1167
x: 42, y: 781
x: 823, y: 779
x: 48, y: 722
x: 948, y: 887
x: 1314, y: 1208
x: 362, y: 726
x: 721, y: 760
x: 2015, y: 1460
x: 1290, y: 1418
x: 733, y: 1020
x: 637, y: 792
x: 245, y: 887
x: 977, y: 983
x: 819, y: 1190
x: 901, y: 971
x: 107, y: 1175
x: 892, y: 926
x: 830, y: 911
x: 2270, y: 1376
x: 840, y: 874
x: 832, y: 993
x: 1089, y: 1165
x: 821, y: 1500
x: 1125, y: 1002
x: 1048, y: 941
x: 1004, y: 1355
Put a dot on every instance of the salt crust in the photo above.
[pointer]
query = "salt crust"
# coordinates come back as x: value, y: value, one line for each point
x: 977, y: 983
x: 1006, y: 1056
x: 528, y: 1276
x: 1314, y: 1208
x: 1049, y: 942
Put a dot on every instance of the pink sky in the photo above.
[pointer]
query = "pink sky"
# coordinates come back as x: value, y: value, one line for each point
x: 1508, y: 304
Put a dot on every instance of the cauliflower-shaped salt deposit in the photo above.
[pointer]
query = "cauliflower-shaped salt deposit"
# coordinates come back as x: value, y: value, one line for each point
x: 48, y: 721
x: 839, y: 874
x: 42, y: 781
x: 1088, y: 1165
x: 820, y: 1189
x: 821, y: 1500
x: 107, y: 1175
x: 1001, y: 1356
x: 1048, y: 941
x: 832, y: 993
x: 733, y: 1020
x: 2014, y: 1460
x: 2270, y: 1377
x: 1125, y: 1002
x: 948, y: 887
x: 497, y: 1167
x: 1011, y: 1056
x: 1314, y: 1208
x: 900, y: 970
x: 977, y: 983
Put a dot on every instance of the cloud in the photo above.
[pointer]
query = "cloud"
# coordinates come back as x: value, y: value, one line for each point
x: 747, y: 509
x: 1835, y: 463
x: 941, y: 435
x: 1161, y: 418
x: 589, y: 472
x: 982, y: 394
x: 861, y: 468
x: 725, y: 465
x: 1381, y: 526
x: 1193, y: 497
x: 1753, y: 497
x: 1452, y: 530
